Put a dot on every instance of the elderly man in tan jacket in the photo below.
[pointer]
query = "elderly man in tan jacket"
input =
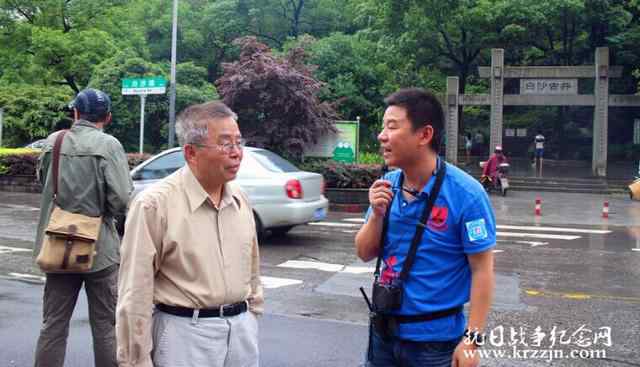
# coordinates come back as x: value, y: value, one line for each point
x: 190, y: 248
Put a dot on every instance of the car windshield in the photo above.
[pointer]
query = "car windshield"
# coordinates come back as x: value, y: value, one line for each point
x: 273, y: 162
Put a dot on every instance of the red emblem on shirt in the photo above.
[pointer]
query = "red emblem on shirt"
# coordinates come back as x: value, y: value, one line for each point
x: 388, y: 274
x: 438, y: 220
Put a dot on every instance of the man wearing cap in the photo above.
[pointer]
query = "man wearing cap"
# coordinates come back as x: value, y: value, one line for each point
x: 93, y: 180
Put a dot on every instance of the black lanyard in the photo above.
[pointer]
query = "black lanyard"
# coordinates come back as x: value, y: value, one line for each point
x: 422, y: 224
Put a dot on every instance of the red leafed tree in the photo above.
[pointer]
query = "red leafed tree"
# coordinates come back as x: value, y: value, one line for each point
x: 276, y: 99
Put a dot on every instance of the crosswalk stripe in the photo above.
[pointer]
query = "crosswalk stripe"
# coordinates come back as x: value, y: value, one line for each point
x: 355, y: 220
x: 334, y: 224
x: 273, y: 282
x: 554, y: 229
x: 537, y: 235
x: 7, y: 249
x: 328, y: 267
x: 27, y: 276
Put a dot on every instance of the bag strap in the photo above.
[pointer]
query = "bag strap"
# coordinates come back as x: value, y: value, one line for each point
x: 422, y: 224
x: 56, y: 161
x: 433, y: 195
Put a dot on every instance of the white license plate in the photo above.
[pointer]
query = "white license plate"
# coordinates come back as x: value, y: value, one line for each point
x: 319, y: 214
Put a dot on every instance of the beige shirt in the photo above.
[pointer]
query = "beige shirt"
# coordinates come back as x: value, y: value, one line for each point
x: 180, y: 250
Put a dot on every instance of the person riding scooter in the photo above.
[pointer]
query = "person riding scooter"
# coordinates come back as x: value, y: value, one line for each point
x: 491, y: 167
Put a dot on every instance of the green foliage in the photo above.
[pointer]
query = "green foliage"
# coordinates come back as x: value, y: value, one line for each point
x: 192, y: 88
x: 370, y: 158
x: 31, y: 112
x: 19, y: 164
x: 340, y: 175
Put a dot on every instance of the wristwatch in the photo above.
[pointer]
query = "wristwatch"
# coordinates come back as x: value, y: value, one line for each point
x: 474, y: 337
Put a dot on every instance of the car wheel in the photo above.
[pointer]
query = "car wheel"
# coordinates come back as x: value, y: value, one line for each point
x: 280, y: 231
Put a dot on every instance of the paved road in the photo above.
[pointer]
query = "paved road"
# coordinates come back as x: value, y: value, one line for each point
x: 568, y: 271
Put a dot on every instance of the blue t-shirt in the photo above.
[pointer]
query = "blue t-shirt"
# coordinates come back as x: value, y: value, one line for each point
x: 461, y: 223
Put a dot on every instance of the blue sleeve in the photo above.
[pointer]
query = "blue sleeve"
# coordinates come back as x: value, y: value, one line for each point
x: 478, y: 225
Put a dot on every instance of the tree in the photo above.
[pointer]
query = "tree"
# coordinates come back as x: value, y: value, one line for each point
x: 276, y: 99
x: 31, y: 112
x: 192, y: 88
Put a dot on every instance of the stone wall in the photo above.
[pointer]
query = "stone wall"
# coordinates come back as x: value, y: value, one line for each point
x: 19, y: 184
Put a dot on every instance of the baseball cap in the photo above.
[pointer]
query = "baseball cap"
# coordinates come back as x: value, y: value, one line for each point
x: 92, y: 102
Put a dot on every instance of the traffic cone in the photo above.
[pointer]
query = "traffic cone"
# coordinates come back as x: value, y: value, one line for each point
x: 538, y: 206
x: 605, y: 210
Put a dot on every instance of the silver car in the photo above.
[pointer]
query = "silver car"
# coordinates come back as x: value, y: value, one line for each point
x: 282, y: 196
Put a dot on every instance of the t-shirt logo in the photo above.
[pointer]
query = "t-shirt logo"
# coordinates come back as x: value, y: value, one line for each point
x: 438, y: 220
x: 388, y: 275
x: 477, y: 230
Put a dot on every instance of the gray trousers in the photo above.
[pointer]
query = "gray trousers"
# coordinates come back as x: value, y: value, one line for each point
x: 205, y: 342
x: 60, y: 296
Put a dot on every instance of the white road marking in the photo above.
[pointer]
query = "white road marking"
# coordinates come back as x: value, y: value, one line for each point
x: 272, y: 282
x: 27, y: 276
x: 21, y: 207
x: 497, y: 251
x: 334, y: 224
x: 635, y: 249
x: 358, y: 269
x: 300, y: 264
x: 537, y: 235
x: 354, y: 220
x: 8, y: 250
x: 554, y: 229
x: 532, y: 243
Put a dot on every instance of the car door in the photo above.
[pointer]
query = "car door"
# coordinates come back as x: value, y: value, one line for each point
x: 156, y: 170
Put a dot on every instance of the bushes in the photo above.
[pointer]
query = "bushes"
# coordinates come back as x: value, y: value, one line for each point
x: 23, y: 162
x: 339, y: 175
x: 18, y: 162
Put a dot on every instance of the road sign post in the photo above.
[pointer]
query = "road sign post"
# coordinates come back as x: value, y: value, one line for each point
x: 143, y: 87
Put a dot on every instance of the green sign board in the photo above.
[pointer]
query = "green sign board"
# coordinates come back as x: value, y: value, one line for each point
x: 341, y: 147
x: 148, y: 85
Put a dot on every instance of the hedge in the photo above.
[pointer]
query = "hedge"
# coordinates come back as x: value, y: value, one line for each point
x: 23, y: 162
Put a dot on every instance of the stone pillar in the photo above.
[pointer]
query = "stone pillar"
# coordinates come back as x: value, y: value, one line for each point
x: 601, y: 113
x: 451, y: 119
x: 497, y: 97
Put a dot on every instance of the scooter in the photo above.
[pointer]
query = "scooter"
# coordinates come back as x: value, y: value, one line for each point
x: 502, y: 182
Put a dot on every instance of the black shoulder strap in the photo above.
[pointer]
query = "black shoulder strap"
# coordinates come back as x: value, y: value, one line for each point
x: 408, y: 263
x: 433, y: 195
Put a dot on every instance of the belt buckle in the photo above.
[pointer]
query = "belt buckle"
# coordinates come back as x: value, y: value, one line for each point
x: 221, y: 310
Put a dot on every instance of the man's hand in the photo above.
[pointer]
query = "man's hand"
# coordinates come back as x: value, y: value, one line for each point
x: 465, y: 355
x: 380, y: 196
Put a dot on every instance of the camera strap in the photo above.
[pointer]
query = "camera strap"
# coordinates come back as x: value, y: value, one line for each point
x: 420, y: 227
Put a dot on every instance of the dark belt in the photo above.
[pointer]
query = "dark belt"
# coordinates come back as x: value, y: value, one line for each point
x: 387, y: 325
x: 222, y: 311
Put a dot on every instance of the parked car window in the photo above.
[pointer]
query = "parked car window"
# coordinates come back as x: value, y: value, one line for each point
x: 274, y: 162
x: 161, y: 167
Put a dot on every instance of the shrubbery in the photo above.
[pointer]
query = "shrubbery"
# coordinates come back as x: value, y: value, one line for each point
x: 340, y: 175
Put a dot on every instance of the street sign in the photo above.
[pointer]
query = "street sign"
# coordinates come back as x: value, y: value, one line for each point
x: 143, y: 87
x: 549, y: 86
x: 149, y: 85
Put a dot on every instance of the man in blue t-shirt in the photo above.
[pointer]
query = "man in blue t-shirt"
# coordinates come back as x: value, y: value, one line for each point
x: 454, y: 262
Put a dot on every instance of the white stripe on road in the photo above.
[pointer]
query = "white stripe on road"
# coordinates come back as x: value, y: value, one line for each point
x: 537, y: 235
x: 8, y: 250
x: 354, y: 220
x: 27, y: 277
x: 635, y: 249
x: 532, y: 243
x: 272, y: 282
x: 497, y: 251
x: 328, y: 267
x: 554, y: 229
x: 334, y: 224
x: 300, y: 264
x: 21, y: 207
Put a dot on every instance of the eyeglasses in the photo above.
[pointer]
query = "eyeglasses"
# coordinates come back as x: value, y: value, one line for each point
x: 226, y: 148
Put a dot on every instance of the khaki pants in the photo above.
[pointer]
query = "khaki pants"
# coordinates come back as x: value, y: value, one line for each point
x: 60, y: 296
x: 211, y: 342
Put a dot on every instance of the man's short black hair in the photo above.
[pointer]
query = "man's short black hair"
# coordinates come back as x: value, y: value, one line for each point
x: 423, y: 108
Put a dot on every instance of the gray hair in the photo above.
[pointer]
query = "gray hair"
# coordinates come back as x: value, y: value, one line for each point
x: 192, y: 123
